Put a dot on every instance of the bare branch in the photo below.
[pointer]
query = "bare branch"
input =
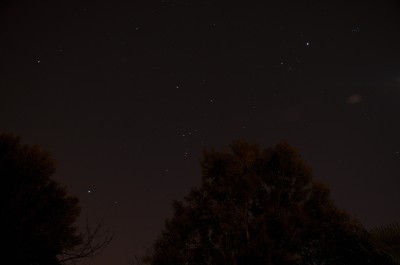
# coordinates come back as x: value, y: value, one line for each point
x: 136, y: 261
x: 94, y: 241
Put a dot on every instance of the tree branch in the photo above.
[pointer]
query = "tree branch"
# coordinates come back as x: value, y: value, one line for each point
x: 94, y: 241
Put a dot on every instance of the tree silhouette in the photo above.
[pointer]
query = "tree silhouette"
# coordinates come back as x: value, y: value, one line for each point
x: 259, y: 206
x: 38, y: 216
x: 385, y: 241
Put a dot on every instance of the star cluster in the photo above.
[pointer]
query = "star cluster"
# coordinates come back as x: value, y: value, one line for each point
x: 127, y: 94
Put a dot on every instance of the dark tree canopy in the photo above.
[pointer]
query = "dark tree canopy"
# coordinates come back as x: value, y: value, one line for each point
x: 37, y: 214
x: 386, y: 241
x: 258, y: 206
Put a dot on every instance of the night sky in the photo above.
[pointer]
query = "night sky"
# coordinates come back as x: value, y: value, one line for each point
x: 126, y: 94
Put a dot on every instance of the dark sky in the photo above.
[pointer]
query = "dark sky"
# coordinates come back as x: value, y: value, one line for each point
x: 126, y: 94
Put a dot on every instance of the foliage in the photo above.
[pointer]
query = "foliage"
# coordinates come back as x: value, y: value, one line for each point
x: 258, y: 206
x: 386, y: 241
x: 38, y: 216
